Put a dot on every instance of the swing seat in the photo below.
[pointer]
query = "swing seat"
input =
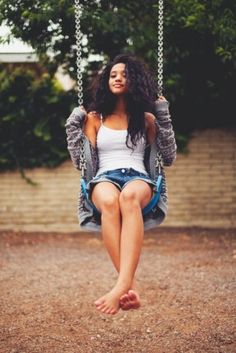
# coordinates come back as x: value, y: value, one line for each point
x: 152, y: 203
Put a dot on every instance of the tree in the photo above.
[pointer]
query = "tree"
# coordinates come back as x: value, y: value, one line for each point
x: 200, y: 49
x: 202, y: 60
x: 32, y: 119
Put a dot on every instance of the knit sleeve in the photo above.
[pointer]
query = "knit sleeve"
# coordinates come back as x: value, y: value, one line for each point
x: 74, y: 131
x: 165, y: 135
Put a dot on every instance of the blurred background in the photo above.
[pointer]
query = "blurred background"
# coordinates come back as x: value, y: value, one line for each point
x: 38, y: 185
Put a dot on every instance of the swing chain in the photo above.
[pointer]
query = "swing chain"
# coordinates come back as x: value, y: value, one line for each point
x: 78, y: 34
x: 160, y: 47
x: 82, y: 159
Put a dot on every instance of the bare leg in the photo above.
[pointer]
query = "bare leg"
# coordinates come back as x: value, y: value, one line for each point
x: 134, y: 196
x: 105, y: 196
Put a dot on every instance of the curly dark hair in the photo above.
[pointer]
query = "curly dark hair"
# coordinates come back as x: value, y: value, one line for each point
x: 140, y: 96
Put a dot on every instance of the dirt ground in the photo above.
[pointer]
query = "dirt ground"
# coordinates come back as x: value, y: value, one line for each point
x: 186, y: 279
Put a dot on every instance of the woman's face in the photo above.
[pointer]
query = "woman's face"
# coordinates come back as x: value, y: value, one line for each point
x: 117, y: 80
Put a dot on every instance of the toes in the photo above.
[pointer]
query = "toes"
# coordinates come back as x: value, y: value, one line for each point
x: 102, y: 307
x: 108, y: 304
x: 134, y: 298
x: 113, y: 312
x: 104, y: 310
x: 130, y: 301
x: 124, y: 296
x: 99, y: 302
x: 123, y: 299
x: 109, y: 311
x: 126, y: 305
x: 125, y: 302
x: 132, y: 294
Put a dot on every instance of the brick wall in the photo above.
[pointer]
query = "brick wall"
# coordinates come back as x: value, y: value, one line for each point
x: 201, y: 185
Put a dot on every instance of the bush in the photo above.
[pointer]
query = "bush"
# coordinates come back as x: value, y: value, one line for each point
x: 32, y: 117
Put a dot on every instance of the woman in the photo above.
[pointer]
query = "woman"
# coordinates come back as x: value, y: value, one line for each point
x: 127, y: 147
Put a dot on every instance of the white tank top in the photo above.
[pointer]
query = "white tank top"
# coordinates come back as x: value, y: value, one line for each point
x: 114, y: 154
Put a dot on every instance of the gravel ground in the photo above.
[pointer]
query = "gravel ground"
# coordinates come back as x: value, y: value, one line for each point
x: 186, y: 279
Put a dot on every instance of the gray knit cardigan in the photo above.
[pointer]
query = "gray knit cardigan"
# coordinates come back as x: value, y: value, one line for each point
x: 85, y: 158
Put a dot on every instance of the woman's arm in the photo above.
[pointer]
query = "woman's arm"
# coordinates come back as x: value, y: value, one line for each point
x: 74, y: 131
x: 151, y: 128
x: 165, y: 134
x: 91, y: 127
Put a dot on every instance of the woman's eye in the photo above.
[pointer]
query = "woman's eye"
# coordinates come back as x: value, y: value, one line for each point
x: 114, y: 76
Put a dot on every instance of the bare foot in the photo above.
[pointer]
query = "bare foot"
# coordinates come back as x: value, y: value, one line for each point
x: 130, y: 300
x: 109, y: 303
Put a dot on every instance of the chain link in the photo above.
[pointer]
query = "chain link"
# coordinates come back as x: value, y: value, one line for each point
x: 78, y: 35
x: 82, y: 159
x: 160, y: 46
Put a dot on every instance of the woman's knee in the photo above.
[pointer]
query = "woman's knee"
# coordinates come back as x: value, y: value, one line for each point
x: 110, y: 203
x: 129, y: 199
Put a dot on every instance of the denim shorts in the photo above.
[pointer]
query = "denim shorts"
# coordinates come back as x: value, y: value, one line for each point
x: 120, y: 178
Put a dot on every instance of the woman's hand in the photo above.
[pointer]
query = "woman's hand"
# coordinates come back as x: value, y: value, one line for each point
x: 83, y: 109
x: 161, y: 98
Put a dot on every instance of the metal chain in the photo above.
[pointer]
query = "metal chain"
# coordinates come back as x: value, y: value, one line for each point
x: 160, y: 47
x: 78, y: 35
x: 82, y: 159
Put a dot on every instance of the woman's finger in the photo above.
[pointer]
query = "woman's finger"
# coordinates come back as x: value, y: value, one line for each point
x: 162, y: 98
x: 82, y: 108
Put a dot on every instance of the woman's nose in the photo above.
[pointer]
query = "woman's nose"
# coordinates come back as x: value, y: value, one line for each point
x: 118, y: 78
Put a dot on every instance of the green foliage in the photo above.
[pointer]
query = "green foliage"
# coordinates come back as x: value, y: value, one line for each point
x: 200, y: 70
x: 32, y: 118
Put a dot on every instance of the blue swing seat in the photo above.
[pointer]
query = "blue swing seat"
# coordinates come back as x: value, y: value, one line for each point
x: 152, y: 203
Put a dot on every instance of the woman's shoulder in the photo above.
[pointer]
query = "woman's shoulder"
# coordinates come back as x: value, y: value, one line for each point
x: 149, y: 119
x: 91, y: 126
x: 93, y: 118
x: 93, y: 115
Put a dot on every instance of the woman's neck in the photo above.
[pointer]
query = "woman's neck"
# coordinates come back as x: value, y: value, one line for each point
x: 120, y: 107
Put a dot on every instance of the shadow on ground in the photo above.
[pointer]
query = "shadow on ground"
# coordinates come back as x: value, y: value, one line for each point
x: 186, y: 279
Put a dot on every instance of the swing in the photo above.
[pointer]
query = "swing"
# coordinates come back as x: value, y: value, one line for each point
x: 82, y: 162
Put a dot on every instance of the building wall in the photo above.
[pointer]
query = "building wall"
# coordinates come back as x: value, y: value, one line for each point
x: 201, y: 185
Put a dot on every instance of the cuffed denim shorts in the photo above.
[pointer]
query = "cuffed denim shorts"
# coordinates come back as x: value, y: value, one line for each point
x: 120, y: 178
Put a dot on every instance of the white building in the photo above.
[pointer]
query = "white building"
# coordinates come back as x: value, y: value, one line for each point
x: 17, y: 52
